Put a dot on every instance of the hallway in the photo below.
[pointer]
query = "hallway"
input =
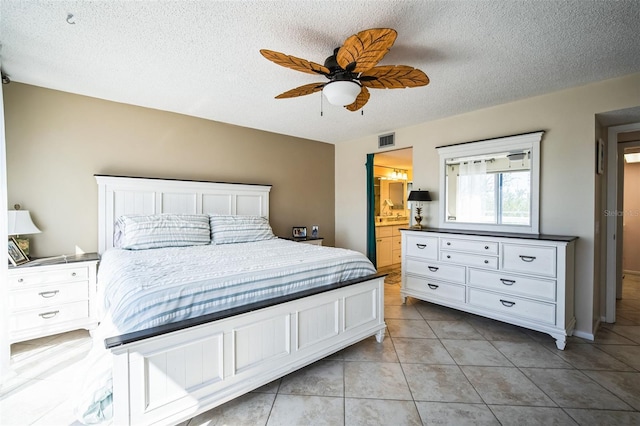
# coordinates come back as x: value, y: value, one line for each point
x: 628, y: 308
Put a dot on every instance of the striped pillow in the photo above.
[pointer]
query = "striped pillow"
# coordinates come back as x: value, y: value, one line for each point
x: 163, y: 230
x: 239, y: 229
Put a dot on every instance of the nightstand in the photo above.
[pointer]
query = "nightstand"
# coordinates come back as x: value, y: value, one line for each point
x: 51, y: 296
x: 316, y: 241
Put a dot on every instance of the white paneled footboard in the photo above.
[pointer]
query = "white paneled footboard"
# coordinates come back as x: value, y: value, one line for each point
x: 172, y: 377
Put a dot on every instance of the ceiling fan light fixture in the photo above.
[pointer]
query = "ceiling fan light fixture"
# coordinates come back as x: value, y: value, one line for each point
x: 341, y: 92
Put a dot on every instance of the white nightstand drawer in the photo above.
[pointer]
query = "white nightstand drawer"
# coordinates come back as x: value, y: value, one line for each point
x: 314, y: 242
x: 23, y: 278
x: 490, y: 262
x: 515, y: 306
x: 513, y: 284
x: 435, y: 289
x: 48, y: 295
x: 537, y: 260
x: 436, y: 270
x: 48, y: 316
x: 422, y: 246
x: 483, y: 247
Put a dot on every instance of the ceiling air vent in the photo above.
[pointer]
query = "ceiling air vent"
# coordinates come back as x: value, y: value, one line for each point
x: 387, y: 140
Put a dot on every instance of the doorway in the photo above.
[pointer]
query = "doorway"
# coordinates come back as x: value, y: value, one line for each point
x: 392, y: 181
x: 614, y: 284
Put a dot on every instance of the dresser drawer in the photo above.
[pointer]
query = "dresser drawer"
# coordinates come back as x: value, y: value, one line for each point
x: 24, y: 278
x: 483, y: 247
x: 435, y: 289
x: 513, y: 284
x: 536, y: 260
x: 436, y: 270
x: 48, y: 295
x: 48, y: 316
x: 515, y: 306
x: 490, y: 262
x: 422, y: 246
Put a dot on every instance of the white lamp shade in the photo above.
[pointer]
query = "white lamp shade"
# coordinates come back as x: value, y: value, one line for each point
x: 341, y: 92
x: 19, y: 223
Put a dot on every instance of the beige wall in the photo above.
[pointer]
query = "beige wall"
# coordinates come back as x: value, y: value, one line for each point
x: 567, y: 191
x: 57, y: 141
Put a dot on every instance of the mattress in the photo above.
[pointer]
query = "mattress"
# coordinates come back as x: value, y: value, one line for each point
x: 147, y: 288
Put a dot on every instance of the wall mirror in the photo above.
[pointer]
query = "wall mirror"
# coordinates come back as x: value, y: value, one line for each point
x: 491, y: 185
x: 396, y: 194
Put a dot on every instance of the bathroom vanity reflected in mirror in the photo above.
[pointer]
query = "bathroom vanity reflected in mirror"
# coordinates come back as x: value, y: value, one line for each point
x: 491, y: 185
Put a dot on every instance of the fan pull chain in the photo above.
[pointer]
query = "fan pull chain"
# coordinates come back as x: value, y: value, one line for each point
x: 321, y: 105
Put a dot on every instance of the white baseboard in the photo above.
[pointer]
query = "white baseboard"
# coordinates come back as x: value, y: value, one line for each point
x: 584, y: 335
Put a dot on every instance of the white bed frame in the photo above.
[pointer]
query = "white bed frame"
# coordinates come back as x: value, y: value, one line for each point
x: 171, y: 377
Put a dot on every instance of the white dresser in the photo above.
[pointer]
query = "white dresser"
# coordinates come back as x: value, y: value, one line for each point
x: 53, y: 297
x: 522, y: 279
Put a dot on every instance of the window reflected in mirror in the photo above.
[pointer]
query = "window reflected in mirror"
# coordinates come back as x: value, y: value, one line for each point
x: 492, y: 184
x: 496, y: 189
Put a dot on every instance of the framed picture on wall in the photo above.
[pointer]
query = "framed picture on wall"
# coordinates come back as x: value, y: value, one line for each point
x: 600, y: 157
x: 16, y: 255
x: 299, y: 232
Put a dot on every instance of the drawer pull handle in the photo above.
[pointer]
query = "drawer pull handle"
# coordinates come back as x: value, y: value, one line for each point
x: 527, y: 258
x: 48, y: 294
x: 448, y: 243
x: 507, y: 303
x: 421, y: 246
x: 73, y: 274
x: 432, y: 286
x: 486, y: 247
x: 486, y: 261
x: 433, y: 268
x: 49, y: 315
x: 448, y: 257
x: 507, y: 282
x: 20, y: 280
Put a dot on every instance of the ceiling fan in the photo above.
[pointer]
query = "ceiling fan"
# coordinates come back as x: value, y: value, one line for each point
x: 352, y: 70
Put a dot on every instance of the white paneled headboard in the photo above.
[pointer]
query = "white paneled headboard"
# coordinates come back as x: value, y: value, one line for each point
x: 119, y: 195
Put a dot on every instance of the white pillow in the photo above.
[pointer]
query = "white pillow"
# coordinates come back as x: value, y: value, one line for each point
x: 140, y: 232
x: 239, y: 229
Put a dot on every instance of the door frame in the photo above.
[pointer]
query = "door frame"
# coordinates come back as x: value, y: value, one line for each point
x: 614, y: 222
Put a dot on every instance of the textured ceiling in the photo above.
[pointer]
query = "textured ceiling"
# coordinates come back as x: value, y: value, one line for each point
x: 202, y: 58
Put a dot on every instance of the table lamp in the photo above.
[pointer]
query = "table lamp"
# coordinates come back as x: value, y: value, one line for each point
x: 419, y: 196
x: 19, y: 223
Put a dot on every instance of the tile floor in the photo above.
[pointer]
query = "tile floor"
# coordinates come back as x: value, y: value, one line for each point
x: 436, y: 366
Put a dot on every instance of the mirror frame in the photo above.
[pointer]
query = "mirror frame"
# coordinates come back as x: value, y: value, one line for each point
x: 486, y: 147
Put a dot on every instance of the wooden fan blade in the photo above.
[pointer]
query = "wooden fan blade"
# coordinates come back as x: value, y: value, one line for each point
x: 393, y: 77
x: 360, y: 101
x: 294, y: 63
x: 366, y: 49
x: 307, y: 89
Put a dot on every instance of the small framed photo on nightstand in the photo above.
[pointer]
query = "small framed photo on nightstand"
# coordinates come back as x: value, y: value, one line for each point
x: 314, y: 231
x: 299, y: 232
x: 16, y: 255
